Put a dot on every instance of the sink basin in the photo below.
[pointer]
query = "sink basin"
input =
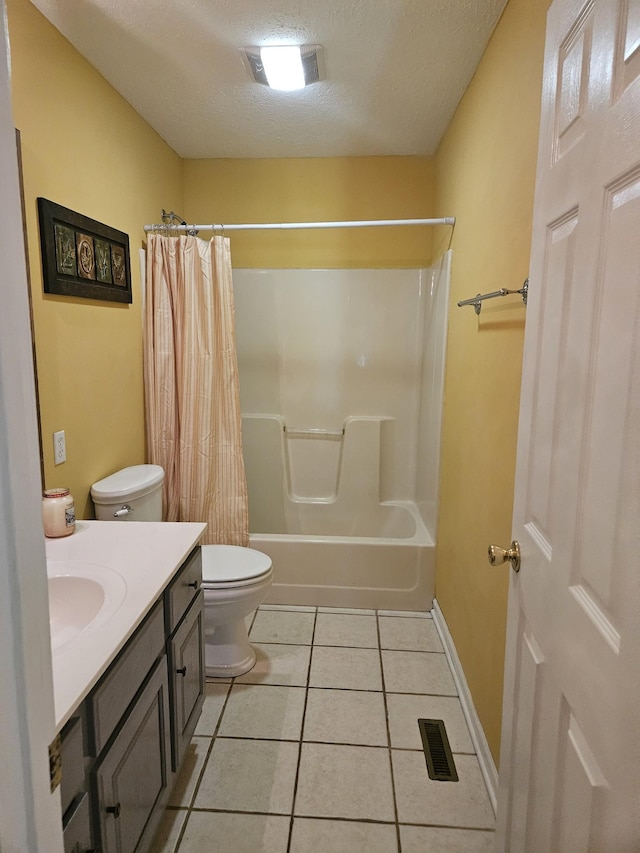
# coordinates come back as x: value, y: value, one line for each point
x: 83, y: 597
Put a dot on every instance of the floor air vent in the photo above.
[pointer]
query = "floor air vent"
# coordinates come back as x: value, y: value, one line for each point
x: 437, y: 751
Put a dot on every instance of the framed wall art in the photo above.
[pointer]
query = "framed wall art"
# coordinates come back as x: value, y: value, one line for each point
x: 82, y: 257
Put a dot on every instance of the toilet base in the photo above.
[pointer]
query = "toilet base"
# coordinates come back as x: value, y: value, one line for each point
x: 227, y: 650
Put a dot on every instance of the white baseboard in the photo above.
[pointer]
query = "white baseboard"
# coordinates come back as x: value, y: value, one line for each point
x: 487, y: 764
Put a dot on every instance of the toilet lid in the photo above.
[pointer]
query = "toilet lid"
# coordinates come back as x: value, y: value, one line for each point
x: 228, y: 563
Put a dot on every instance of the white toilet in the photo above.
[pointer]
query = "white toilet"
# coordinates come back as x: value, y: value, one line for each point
x: 235, y: 580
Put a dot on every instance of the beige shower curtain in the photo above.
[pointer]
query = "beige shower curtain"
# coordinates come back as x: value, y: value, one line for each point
x: 191, y: 379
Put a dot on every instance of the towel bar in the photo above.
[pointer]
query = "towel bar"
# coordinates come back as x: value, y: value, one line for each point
x: 477, y: 300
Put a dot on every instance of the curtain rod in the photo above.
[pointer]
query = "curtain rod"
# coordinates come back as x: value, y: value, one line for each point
x: 365, y: 223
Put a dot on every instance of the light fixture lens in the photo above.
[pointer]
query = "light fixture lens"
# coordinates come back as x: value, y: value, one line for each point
x: 283, y: 67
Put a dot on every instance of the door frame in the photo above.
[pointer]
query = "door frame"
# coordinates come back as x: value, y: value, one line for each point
x: 30, y: 812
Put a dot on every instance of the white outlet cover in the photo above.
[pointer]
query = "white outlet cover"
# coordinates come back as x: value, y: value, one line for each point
x: 59, y: 448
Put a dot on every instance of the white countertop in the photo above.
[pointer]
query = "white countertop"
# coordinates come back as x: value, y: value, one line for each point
x: 146, y: 555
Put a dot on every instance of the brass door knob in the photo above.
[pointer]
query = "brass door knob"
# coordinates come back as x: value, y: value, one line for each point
x: 498, y: 555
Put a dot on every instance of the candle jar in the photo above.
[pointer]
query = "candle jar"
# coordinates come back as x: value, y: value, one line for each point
x: 58, y: 512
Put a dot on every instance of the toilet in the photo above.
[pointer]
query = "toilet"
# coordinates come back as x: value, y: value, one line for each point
x: 235, y: 580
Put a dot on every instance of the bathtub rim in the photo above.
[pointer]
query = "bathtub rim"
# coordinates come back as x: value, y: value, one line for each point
x: 421, y: 537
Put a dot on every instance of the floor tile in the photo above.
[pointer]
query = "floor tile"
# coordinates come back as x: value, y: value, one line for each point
x: 418, y: 635
x: 411, y: 614
x: 195, y: 757
x: 338, y: 629
x: 417, y: 672
x: 350, y: 669
x: 344, y: 781
x: 404, y: 711
x: 214, y: 698
x: 250, y: 776
x: 278, y: 664
x: 282, y: 627
x: 424, y: 839
x: 288, y: 608
x: 166, y: 837
x: 263, y: 711
x: 345, y: 716
x: 211, y: 832
x: 340, y: 836
x: 422, y: 800
x: 351, y: 611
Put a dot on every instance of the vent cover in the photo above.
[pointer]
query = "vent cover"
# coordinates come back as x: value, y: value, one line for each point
x: 437, y: 751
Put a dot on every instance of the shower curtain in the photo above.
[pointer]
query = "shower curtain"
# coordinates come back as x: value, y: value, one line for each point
x: 191, y: 385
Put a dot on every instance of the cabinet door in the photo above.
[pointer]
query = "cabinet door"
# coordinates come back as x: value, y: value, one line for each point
x: 132, y: 778
x: 116, y: 690
x: 186, y: 665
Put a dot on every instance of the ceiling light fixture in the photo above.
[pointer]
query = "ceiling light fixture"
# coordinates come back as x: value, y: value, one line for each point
x: 284, y: 67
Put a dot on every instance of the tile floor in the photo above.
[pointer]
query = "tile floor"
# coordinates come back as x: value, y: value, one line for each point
x: 318, y: 747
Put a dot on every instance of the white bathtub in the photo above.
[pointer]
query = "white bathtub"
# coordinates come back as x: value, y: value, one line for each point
x: 341, y: 375
x: 390, y: 566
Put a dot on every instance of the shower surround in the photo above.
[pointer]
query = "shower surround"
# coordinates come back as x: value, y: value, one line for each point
x: 341, y: 375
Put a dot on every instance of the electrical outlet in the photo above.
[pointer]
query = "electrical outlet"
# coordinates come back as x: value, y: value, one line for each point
x: 59, y: 448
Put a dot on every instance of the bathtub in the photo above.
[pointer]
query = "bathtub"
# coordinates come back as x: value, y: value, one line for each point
x: 341, y: 376
x: 383, y: 561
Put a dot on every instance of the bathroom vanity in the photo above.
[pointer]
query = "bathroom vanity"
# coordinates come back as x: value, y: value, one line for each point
x: 129, y: 684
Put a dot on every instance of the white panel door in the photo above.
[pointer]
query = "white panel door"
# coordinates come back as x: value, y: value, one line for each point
x: 570, y: 761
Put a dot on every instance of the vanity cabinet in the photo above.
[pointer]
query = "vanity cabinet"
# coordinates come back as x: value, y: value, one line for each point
x: 122, y: 751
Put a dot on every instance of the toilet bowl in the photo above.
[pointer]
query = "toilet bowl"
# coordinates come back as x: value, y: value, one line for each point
x: 235, y: 580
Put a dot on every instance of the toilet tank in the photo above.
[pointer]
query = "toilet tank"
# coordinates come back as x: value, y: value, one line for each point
x: 132, y: 494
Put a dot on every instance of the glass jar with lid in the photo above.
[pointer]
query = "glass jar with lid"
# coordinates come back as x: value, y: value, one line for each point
x: 58, y: 512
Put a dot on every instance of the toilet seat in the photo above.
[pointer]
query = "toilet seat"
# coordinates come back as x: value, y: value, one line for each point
x: 227, y: 566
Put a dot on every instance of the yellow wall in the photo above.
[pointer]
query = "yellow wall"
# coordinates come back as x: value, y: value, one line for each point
x: 85, y: 148
x: 317, y: 189
x: 485, y: 171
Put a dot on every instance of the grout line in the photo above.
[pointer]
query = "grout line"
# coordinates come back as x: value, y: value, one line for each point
x: 367, y: 820
x: 324, y: 743
x: 280, y: 642
x: 202, y: 771
x: 306, y: 817
x: 317, y: 743
x: 176, y: 846
x: 253, y: 619
x: 304, y: 714
x: 386, y: 719
x: 415, y: 651
x: 345, y: 689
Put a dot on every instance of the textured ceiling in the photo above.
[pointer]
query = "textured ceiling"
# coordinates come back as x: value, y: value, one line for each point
x: 395, y: 70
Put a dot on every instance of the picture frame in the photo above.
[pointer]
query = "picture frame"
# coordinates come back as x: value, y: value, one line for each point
x: 82, y: 257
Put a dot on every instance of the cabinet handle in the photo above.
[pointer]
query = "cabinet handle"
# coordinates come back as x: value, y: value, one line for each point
x: 114, y: 810
x: 194, y: 584
x: 182, y: 671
